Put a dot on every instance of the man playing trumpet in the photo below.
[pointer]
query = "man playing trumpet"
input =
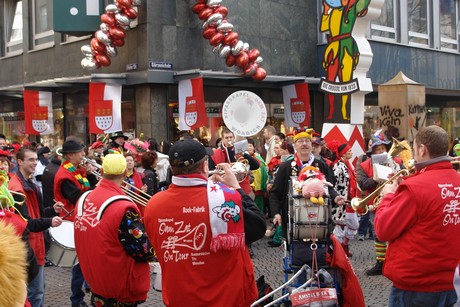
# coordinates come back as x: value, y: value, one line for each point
x: 420, y: 220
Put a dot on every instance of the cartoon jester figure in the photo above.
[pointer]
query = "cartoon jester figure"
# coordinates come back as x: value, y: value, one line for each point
x: 341, y: 55
x: 6, y: 199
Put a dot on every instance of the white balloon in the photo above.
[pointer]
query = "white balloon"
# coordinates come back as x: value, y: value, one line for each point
x: 225, y: 51
x: 104, y: 27
x: 225, y: 26
x: 111, y: 9
x: 245, y: 47
x: 259, y: 60
x: 88, y: 64
x: 122, y: 19
x: 103, y: 37
x: 136, y: 2
x: 111, y: 50
x: 86, y: 50
x: 214, y: 19
x: 237, y: 48
x: 213, y: 3
x: 217, y: 49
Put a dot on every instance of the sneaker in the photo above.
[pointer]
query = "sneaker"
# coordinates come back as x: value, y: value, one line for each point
x: 273, y: 244
x: 361, y: 238
x: 48, y: 263
x: 347, y: 250
x: 376, y: 269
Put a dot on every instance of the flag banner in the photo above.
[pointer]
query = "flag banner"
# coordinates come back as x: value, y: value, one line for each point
x: 104, y: 108
x: 38, y: 112
x: 192, y: 112
x: 296, y: 105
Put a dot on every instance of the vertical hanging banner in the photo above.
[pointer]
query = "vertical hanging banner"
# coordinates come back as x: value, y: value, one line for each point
x: 38, y: 112
x: 104, y: 108
x: 192, y: 112
x: 296, y: 105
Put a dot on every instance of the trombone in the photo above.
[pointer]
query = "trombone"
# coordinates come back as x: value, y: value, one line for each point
x: 360, y: 205
x: 141, y: 197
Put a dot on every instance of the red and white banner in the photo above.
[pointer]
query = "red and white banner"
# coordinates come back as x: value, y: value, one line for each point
x: 104, y: 108
x: 296, y: 105
x: 38, y: 112
x: 192, y: 112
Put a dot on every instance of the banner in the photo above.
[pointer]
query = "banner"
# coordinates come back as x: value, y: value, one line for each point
x: 192, y: 112
x: 104, y: 108
x: 38, y: 112
x: 296, y: 105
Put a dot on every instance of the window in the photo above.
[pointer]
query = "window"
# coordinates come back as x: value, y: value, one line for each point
x: 43, y: 34
x: 384, y: 27
x: 13, y: 27
x: 418, y: 22
x: 448, y: 19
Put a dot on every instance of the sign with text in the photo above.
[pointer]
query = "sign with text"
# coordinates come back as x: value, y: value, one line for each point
x: 77, y: 17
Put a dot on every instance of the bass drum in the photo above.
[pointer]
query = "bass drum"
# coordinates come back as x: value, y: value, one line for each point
x: 62, y: 250
x: 309, y: 220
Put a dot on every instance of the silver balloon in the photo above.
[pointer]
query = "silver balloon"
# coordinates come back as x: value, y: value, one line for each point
x: 111, y: 50
x: 104, y: 27
x: 86, y: 50
x: 215, y: 19
x: 111, y: 9
x: 245, y: 46
x: 217, y: 49
x: 205, y: 25
x: 237, y: 48
x: 122, y: 19
x: 214, y: 3
x: 136, y: 2
x: 225, y: 51
x: 126, y: 28
x: 89, y: 64
x: 225, y: 26
x: 103, y: 37
x: 259, y: 60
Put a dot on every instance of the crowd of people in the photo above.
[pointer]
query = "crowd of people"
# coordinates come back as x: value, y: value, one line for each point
x: 183, y: 205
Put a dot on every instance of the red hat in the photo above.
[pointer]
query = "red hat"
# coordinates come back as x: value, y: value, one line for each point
x: 97, y: 145
x: 4, y: 153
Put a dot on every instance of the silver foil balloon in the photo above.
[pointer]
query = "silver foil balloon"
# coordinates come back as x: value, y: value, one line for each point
x: 237, y: 48
x: 86, y: 50
x: 217, y: 49
x: 225, y: 51
x: 225, y: 26
x: 111, y: 9
x: 122, y: 19
x: 103, y: 37
x: 88, y: 64
x: 136, y: 2
x: 126, y: 28
x: 213, y: 3
x: 111, y: 50
x: 245, y: 46
x: 104, y: 27
x: 259, y: 60
x: 214, y: 19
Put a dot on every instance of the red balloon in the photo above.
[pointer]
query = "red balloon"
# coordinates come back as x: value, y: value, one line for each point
x: 230, y: 60
x: 253, y: 54
x: 221, y: 10
x: 198, y: 7
x: 97, y: 46
x: 260, y: 74
x: 251, y: 69
x: 230, y: 38
x: 242, y: 60
x: 216, y: 39
x: 124, y: 3
x: 108, y: 19
x: 130, y: 12
x: 209, y: 32
x: 204, y: 14
x: 102, y: 59
x: 119, y: 42
x: 117, y: 32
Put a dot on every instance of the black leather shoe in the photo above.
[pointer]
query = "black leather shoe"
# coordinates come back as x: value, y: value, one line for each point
x: 48, y: 263
x: 376, y: 270
x: 273, y: 244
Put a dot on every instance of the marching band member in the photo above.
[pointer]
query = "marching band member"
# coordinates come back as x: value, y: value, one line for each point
x: 134, y: 178
x: 117, y: 141
x: 199, y: 228
x: 112, y: 247
x: 365, y: 179
x: 419, y: 219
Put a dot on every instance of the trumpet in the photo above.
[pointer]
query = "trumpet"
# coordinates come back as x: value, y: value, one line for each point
x: 140, y: 196
x: 239, y: 168
x: 360, y: 205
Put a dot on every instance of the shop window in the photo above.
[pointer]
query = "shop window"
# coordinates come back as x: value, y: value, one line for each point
x: 384, y: 28
x: 13, y: 27
x: 448, y: 22
x: 42, y: 24
x: 418, y: 22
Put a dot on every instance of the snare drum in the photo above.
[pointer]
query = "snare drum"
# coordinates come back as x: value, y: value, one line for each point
x: 309, y: 220
x: 62, y: 250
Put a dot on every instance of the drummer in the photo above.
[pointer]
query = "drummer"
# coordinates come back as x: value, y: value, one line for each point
x: 38, y: 217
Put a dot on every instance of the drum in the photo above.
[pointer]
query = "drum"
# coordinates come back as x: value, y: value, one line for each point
x: 309, y: 220
x: 62, y: 250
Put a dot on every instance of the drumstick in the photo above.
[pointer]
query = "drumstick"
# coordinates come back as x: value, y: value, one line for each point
x: 68, y: 213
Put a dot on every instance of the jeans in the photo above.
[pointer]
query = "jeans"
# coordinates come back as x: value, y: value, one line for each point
x: 36, y: 289
x: 76, y: 285
x: 365, y: 225
x: 403, y: 298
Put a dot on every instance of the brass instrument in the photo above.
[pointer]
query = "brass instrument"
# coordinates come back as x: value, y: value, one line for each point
x: 360, y: 205
x: 396, y: 148
x: 141, y: 197
x: 21, y: 202
x: 240, y: 168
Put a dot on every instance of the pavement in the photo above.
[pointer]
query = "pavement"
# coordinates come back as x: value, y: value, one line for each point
x: 268, y: 261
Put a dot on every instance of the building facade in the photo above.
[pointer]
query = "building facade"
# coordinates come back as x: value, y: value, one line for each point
x: 165, y: 45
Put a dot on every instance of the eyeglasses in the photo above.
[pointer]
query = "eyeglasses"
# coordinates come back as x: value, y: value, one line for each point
x: 303, y: 141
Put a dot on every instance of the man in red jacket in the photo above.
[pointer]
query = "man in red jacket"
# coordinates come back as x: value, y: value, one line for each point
x: 199, y: 229
x: 111, y: 244
x: 419, y: 219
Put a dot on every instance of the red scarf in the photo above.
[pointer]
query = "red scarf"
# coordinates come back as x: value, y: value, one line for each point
x: 352, y: 185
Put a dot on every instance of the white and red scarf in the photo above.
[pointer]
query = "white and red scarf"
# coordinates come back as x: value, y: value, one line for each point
x: 225, y: 212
